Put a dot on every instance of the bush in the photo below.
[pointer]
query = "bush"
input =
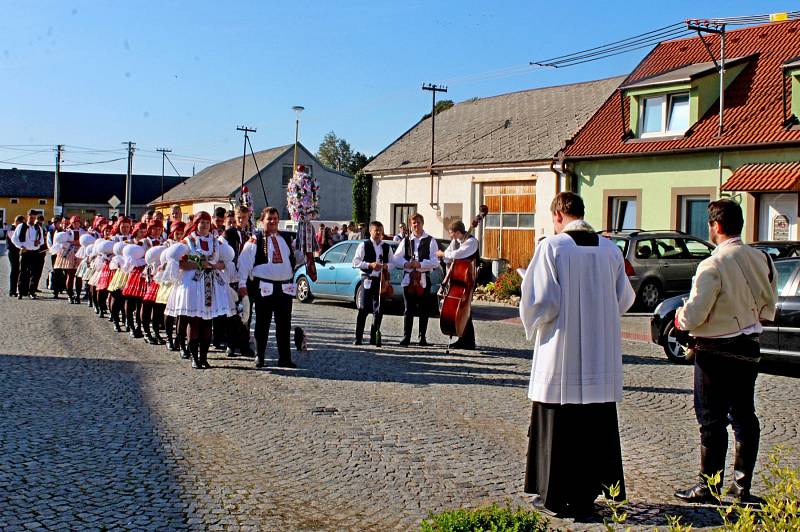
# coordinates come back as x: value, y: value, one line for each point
x: 493, y: 518
x: 508, y: 284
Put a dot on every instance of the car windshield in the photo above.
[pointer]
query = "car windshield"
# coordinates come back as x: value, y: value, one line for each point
x: 784, y: 269
x: 776, y: 252
x: 622, y: 244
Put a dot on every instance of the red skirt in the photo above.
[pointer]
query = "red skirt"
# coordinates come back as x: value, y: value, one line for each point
x: 152, y: 291
x: 105, y: 277
x: 136, y: 285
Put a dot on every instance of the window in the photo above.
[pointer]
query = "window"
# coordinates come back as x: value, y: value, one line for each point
x: 697, y: 249
x: 623, y: 213
x: 42, y: 202
x: 785, y: 270
x: 694, y: 215
x: 14, y: 201
x: 335, y: 255
x: 286, y: 173
x: 666, y: 114
x: 400, y: 214
x: 351, y: 253
x: 645, y: 249
x: 622, y: 244
x: 669, y: 248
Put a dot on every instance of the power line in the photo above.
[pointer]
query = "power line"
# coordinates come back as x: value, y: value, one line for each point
x: 75, y: 163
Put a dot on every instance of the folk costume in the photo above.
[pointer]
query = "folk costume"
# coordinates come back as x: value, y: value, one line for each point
x: 236, y: 333
x: 169, y: 277
x: 84, y: 254
x: 28, y: 238
x: 152, y: 313
x: 370, y: 251
x: 466, y: 249
x: 13, y: 260
x: 135, y: 287
x: 268, y: 260
x: 66, y: 245
x: 165, y: 284
x: 420, y: 249
x: 105, y: 254
x: 573, y: 294
x: 116, y: 284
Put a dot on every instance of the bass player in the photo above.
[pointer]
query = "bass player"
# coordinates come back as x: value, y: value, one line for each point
x: 462, y: 246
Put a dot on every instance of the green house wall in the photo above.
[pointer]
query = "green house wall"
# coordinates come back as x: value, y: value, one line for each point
x: 657, y: 176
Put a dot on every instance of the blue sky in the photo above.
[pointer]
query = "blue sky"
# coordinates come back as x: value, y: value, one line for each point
x: 183, y: 75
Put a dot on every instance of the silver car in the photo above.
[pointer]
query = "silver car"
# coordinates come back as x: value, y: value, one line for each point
x: 659, y: 262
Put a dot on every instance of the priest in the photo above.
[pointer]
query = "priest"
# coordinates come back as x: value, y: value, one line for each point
x: 573, y: 294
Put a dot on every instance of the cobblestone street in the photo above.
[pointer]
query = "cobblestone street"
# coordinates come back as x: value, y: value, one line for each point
x: 98, y: 430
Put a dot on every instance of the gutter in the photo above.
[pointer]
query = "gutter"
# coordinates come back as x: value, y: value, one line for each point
x: 160, y: 203
x: 680, y: 151
x: 427, y: 169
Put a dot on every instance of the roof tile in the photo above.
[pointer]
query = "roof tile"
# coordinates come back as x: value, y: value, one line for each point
x: 765, y: 177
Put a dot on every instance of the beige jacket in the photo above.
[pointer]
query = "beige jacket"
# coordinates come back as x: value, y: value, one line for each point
x: 730, y: 291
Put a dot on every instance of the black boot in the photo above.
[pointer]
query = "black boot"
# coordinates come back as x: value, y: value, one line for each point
x: 408, y: 323
x: 259, y: 360
x: 194, y: 347
x: 743, y: 466
x: 170, y: 342
x: 185, y: 354
x: 157, y: 335
x: 372, y: 331
x: 204, y: 355
x: 712, y: 461
x: 117, y: 327
x: 148, y: 336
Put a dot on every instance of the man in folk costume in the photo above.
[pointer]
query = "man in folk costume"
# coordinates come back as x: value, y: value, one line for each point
x: 13, y: 257
x: 573, y: 294
x: 416, y: 255
x: 268, y: 259
x: 372, y: 258
x: 28, y: 238
x: 237, y: 334
x: 462, y: 246
x: 40, y: 255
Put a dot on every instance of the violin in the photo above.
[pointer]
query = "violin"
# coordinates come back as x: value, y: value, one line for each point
x: 457, y: 288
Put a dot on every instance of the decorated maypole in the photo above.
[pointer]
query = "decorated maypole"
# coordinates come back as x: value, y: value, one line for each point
x: 302, y: 196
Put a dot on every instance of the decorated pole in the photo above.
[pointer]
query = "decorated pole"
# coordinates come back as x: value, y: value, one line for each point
x: 302, y: 198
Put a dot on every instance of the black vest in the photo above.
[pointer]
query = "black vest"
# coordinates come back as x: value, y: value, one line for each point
x: 423, y: 249
x: 369, y: 253
x: 23, y: 233
x: 261, y: 255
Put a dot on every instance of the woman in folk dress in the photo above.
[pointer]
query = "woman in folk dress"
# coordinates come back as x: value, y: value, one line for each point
x: 152, y: 313
x: 65, y: 248
x: 201, y: 292
x: 84, y: 251
x: 106, y: 254
x: 135, y: 287
x: 165, y: 281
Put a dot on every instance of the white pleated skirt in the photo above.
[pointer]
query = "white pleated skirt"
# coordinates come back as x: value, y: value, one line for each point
x: 188, y: 296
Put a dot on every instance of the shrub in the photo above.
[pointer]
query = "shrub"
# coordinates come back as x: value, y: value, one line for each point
x: 493, y: 518
x: 508, y: 284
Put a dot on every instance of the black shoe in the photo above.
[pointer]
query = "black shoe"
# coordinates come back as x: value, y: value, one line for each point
x: 102, y: 314
x: 148, y: 339
x: 219, y: 346
x: 405, y: 342
x: 77, y: 300
x: 286, y: 364
x: 117, y: 328
x: 230, y: 352
x: 699, y: 493
x: 12, y: 294
x: 203, y: 358
x: 259, y: 361
x: 460, y: 344
x: 423, y: 342
x: 55, y: 295
x: 33, y: 296
x: 247, y: 352
x: 357, y: 342
x: 20, y: 296
x: 170, y: 344
x: 137, y: 333
x: 538, y: 503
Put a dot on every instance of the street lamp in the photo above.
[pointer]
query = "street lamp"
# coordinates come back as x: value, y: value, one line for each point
x: 297, y: 110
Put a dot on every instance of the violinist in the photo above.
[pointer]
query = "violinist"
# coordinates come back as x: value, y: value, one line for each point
x: 416, y: 255
x: 462, y: 246
x: 372, y: 258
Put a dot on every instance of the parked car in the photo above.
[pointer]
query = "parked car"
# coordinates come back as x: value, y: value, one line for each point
x: 337, y: 279
x: 659, y: 262
x: 779, y: 249
x: 780, y: 339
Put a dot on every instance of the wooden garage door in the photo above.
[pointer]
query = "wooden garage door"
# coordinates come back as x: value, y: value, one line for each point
x: 508, y: 231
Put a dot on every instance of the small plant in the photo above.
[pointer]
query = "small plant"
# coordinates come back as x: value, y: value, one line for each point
x: 618, y: 516
x: 508, y: 284
x: 493, y: 518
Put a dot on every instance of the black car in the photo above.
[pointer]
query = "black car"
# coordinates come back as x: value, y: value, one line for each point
x: 779, y: 249
x: 780, y: 339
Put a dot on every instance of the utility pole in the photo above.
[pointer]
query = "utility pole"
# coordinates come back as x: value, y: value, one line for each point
x: 57, y: 180
x: 164, y: 152
x: 128, y: 177
x: 244, y: 151
x: 433, y: 89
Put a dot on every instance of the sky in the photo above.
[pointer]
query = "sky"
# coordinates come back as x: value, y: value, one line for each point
x: 184, y: 75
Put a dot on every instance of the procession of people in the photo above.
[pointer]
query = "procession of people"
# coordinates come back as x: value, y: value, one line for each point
x: 194, y: 282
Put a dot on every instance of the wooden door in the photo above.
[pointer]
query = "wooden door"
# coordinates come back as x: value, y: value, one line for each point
x: 508, y: 231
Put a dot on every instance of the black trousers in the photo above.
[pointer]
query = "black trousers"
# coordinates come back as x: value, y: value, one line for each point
x: 38, y: 268
x: 369, y: 304
x: 725, y: 372
x: 278, y: 305
x: 13, y: 279
x: 418, y: 306
x: 27, y: 270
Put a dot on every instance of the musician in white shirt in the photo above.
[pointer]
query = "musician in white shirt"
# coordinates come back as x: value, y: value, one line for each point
x: 372, y: 258
x: 463, y: 246
x: 29, y: 238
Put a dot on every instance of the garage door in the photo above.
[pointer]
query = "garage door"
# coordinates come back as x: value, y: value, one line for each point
x: 508, y: 231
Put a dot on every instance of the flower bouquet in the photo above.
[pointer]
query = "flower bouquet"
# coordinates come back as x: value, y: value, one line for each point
x: 302, y: 197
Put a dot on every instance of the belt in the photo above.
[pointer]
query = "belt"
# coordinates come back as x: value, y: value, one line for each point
x: 273, y: 282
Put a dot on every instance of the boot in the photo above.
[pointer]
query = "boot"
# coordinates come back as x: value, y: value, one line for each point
x: 372, y: 331
x: 148, y: 336
x: 137, y: 333
x: 102, y: 313
x: 156, y: 334
x: 185, y: 354
x: 259, y: 360
x: 712, y: 460
x: 204, y: 355
x: 194, y: 346
x: 117, y: 327
x: 170, y: 343
x: 408, y: 323
x: 743, y: 466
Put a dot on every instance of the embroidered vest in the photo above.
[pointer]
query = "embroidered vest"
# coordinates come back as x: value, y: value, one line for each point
x: 261, y: 255
x: 369, y: 253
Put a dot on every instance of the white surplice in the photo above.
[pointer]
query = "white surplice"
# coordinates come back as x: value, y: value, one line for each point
x: 572, y: 299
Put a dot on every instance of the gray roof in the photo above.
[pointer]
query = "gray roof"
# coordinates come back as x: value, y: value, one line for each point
x: 683, y: 74
x: 524, y: 126
x: 223, y: 180
x: 17, y: 183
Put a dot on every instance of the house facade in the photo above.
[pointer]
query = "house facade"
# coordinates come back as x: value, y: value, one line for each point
x: 654, y: 155
x: 494, y: 151
x: 219, y: 185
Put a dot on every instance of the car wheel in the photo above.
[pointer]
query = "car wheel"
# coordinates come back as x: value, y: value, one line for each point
x: 650, y: 295
x: 304, y: 291
x: 674, y: 351
x: 358, y: 297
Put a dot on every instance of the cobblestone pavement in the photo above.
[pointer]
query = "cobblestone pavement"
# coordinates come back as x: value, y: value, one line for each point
x: 100, y: 431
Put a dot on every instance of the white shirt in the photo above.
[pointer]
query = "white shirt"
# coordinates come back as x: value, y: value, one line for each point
x: 466, y: 249
x: 34, y: 232
x: 358, y: 260
x: 572, y: 299
x: 429, y: 264
x: 269, y: 271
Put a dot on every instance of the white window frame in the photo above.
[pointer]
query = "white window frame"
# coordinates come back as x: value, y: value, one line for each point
x: 615, y: 204
x: 14, y: 201
x: 666, y: 105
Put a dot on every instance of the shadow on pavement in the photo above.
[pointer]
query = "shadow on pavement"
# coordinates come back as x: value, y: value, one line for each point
x: 79, y: 448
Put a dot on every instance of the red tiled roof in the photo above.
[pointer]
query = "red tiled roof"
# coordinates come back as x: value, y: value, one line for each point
x: 753, y: 101
x: 766, y: 177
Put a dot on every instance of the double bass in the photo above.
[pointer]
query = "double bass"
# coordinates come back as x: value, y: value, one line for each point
x: 457, y: 288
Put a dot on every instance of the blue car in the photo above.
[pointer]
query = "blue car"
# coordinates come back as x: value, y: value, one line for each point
x: 337, y: 279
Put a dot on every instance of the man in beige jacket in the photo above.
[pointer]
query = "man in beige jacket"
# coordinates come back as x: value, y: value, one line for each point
x: 733, y: 291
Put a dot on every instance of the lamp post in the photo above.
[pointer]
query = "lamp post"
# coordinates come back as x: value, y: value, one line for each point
x: 297, y: 110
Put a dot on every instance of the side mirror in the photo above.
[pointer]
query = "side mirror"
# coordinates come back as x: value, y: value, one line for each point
x: 319, y: 260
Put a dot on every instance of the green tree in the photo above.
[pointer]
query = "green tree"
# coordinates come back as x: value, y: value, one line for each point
x: 362, y: 196
x: 441, y: 105
x: 335, y: 152
x: 357, y: 162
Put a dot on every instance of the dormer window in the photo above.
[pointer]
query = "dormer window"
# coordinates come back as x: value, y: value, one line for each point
x: 667, y: 114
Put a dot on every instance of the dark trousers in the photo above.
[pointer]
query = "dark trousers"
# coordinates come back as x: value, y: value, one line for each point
x: 13, y: 279
x: 369, y: 304
x: 416, y: 306
x: 27, y: 269
x: 38, y: 267
x: 468, y: 337
x: 725, y: 372
x: 279, y: 305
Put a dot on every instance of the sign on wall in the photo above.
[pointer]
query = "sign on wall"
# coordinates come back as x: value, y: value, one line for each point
x: 780, y: 227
